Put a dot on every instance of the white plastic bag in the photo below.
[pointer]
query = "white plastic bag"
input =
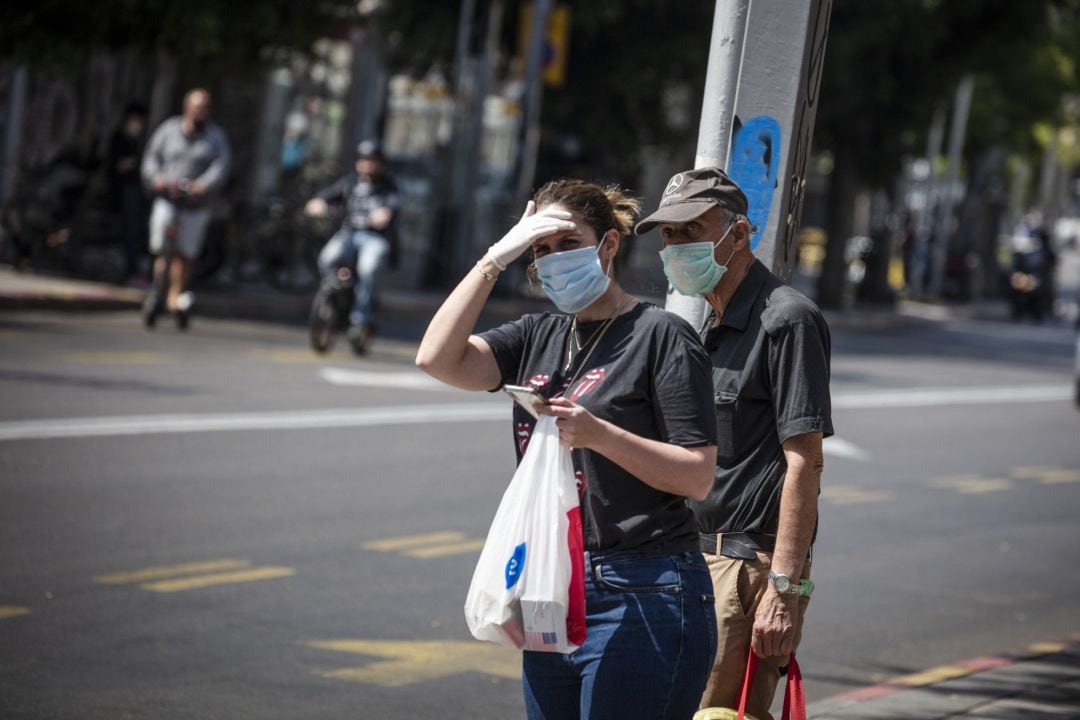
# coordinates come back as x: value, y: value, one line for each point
x: 528, y: 589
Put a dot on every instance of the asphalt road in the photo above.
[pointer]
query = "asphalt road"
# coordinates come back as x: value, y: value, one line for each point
x: 222, y: 525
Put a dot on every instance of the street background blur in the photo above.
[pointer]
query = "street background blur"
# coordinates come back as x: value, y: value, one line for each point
x: 223, y: 523
x: 941, y: 129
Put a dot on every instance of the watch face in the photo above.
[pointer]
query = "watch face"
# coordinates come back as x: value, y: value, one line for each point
x: 781, y: 582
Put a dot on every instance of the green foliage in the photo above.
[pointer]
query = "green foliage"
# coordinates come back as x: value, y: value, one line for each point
x: 888, y: 65
x: 623, y: 54
x: 58, y: 35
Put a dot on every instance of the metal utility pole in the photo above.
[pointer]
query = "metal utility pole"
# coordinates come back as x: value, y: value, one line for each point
x: 717, y: 114
x: 771, y: 52
x: 924, y: 216
x: 534, y: 93
x: 478, y: 29
x: 944, y: 216
x: 12, y: 130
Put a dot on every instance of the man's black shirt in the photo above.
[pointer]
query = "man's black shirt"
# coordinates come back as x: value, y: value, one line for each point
x: 770, y: 358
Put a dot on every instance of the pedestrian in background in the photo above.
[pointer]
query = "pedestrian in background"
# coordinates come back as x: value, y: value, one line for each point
x: 123, y: 159
x: 185, y: 165
x: 770, y: 356
x: 630, y: 386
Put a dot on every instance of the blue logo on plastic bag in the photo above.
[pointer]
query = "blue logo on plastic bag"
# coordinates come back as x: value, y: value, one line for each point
x: 514, y: 565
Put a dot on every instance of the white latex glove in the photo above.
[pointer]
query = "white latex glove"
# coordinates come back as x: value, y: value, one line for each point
x: 532, y: 226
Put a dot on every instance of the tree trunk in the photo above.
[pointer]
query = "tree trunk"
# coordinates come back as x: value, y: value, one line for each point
x: 842, y: 186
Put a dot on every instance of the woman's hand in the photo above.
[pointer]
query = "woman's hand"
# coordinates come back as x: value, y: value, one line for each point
x: 532, y: 226
x: 578, y: 428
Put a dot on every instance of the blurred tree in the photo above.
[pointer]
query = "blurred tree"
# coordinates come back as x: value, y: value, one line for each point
x: 888, y: 65
x: 239, y: 36
x: 631, y: 62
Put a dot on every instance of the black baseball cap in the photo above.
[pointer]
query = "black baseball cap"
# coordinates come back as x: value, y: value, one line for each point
x: 691, y: 193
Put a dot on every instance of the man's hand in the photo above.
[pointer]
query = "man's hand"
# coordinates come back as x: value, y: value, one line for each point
x: 578, y: 428
x: 774, y: 624
x: 196, y: 189
x: 315, y: 207
x: 379, y: 218
x: 159, y: 184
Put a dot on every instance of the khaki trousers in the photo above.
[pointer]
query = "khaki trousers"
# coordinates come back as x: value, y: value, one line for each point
x: 739, y: 586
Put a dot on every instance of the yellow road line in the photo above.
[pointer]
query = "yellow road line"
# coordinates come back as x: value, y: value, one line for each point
x: 202, y: 581
x: 851, y: 495
x: 287, y: 356
x: 121, y: 358
x: 413, y: 541
x: 168, y: 571
x: 973, y: 484
x: 1046, y: 648
x: 1057, y: 477
x: 10, y: 611
x: 456, y: 548
x: 406, y: 662
x: 1031, y: 472
x: 934, y: 675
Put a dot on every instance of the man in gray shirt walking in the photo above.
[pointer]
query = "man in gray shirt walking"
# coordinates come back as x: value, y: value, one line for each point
x: 185, y: 164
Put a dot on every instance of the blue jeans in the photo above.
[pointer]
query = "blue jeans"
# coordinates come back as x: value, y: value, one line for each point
x: 368, y: 250
x: 651, y: 643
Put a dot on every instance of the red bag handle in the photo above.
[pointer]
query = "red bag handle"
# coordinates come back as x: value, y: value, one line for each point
x: 794, y: 696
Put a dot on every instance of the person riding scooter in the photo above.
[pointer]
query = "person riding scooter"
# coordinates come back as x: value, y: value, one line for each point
x: 368, y: 233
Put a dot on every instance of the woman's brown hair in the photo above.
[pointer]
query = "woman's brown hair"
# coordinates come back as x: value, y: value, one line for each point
x: 602, y: 207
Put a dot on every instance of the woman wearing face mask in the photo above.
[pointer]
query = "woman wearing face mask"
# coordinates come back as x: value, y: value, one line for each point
x: 631, y: 389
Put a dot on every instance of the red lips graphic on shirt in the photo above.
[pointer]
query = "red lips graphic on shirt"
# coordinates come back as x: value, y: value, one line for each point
x: 587, y: 384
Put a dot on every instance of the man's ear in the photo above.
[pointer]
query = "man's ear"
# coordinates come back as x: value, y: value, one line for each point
x: 742, y: 235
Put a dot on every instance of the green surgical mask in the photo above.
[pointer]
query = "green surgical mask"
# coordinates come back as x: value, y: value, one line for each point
x: 691, y: 268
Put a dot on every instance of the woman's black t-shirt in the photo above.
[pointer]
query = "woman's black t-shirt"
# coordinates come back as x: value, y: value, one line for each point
x: 648, y: 375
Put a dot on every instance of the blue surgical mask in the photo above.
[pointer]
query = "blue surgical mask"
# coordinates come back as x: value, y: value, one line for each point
x: 691, y: 268
x: 573, y: 279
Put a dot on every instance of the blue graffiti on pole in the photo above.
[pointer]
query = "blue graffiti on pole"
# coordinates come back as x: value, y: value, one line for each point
x: 755, y: 161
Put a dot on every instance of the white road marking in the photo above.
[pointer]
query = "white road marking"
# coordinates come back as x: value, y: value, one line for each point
x: 469, y: 412
x: 930, y: 397
x: 838, y: 447
x: 408, y: 380
x: 294, y: 420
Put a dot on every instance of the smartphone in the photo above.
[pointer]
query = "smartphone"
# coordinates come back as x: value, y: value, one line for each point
x: 526, y: 397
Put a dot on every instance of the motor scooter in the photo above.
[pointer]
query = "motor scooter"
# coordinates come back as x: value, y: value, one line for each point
x: 331, y: 307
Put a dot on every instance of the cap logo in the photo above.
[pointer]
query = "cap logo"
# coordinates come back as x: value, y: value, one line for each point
x: 674, y: 184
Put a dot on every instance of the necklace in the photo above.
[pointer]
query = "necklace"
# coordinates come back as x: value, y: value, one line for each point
x: 591, y: 343
x: 576, y: 336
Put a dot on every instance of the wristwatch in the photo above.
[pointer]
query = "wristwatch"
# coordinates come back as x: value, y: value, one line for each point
x: 786, y: 586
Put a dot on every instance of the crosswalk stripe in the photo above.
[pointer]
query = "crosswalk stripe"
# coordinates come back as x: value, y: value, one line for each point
x: 410, y: 380
x: 168, y: 571
x: 202, y: 581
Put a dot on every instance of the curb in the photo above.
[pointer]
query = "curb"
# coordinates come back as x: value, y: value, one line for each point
x: 847, y: 701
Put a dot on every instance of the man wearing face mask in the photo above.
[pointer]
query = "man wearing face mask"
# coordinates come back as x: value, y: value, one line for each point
x: 185, y: 165
x: 770, y: 348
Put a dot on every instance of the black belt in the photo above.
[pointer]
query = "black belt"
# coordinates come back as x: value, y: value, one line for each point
x: 736, y: 545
